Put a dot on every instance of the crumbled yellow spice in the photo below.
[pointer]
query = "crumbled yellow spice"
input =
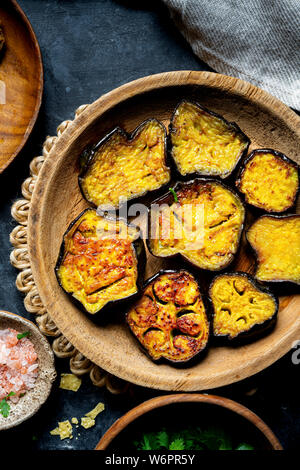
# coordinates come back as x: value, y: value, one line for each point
x: 64, y: 430
x: 87, y: 422
x: 70, y: 382
x: 89, y: 419
x: 95, y: 411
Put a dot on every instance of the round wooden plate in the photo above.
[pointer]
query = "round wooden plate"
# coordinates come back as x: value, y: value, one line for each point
x: 57, y: 201
x: 21, y: 74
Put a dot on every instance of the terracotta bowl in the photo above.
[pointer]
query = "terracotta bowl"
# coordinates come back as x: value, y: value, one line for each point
x: 57, y: 200
x: 33, y: 399
x: 235, y: 412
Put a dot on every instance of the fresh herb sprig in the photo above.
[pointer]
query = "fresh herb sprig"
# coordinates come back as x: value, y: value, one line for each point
x: 189, y: 439
x: 5, y: 406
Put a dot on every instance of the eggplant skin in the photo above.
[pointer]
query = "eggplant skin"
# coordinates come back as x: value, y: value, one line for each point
x: 210, y: 237
x: 101, y: 262
x: 203, y: 143
x: 275, y: 241
x: 269, y: 180
x: 122, y: 166
x: 170, y: 318
x: 242, y: 310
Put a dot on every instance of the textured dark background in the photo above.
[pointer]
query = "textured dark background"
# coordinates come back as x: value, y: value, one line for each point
x: 90, y: 47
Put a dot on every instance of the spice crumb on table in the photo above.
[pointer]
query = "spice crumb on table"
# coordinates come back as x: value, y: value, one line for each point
x: 65, y: 429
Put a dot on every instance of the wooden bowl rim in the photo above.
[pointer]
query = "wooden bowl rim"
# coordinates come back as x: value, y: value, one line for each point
x: 61, y: 146
x: 165, y: 400
x: 50, y: 367
x: 40, y: 87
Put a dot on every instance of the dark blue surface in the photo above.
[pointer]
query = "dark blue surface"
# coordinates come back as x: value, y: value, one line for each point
x: 88, y: 48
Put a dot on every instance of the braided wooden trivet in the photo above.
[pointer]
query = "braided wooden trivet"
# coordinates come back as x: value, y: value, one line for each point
x: 19, y: 258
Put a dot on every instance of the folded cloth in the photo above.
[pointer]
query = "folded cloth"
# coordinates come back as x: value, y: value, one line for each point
x: 256, y: 40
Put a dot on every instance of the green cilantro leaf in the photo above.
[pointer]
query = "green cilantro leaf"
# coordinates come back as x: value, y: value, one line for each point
x: 146, y: 444
x: 4, y: 408
x: 211, y: 438
x: 177, y: 444
x: 4, y: 405
x: 23, y: 335
x: 244, y: 447
x: 215, y: 439
x: 163, y: 439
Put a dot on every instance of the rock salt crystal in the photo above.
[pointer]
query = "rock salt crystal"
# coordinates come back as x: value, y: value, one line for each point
x: 18, y: 364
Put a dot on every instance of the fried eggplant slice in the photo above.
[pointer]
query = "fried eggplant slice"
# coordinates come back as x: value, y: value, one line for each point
x: 269, y: 180
x: 170, y: 319
x: 204, y: 225
x: 123, y: 167
x: 240, y: 307
x: 276, y: 243
x: 98, y: 262
x: 204, y: 143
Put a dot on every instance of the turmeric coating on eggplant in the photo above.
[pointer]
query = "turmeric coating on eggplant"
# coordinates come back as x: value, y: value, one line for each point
x: 98, y: 261
x: 170, y: 319
x: 276, y: 243
x: 204, y: 225
x: 123, y: 167
x: 204, y: 143
x: 269, y: 180
x: 240, y: 305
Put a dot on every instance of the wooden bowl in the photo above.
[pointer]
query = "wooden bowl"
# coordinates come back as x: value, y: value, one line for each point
x: 267, y: 436
x: 57, y: 201
x: 21, y: 71
x: 33, y: 399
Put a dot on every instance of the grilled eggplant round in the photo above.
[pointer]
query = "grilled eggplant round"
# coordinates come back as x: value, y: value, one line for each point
x: 122, y: 167
x: 101, y: 261
x: 204, y: 224
x: 269, y: 180
x: 204, y: 143
x: 241, y: 308
x: 276, y: 243
x: 170, y: 319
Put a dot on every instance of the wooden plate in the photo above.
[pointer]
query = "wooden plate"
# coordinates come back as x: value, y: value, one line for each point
x: 33, y: 399
x: 267, y: 436
x: 57, y: 201
x: 21, y: 71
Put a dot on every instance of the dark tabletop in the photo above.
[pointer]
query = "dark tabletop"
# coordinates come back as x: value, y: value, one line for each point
x: 90, y: 47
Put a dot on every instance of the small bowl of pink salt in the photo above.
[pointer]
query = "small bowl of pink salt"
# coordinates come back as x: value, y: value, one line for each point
x: 27, y: 369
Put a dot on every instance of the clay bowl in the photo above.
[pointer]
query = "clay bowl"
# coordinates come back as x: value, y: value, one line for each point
x: 249, y: 427
x: 57, y: 201
x: 33, y: 399
x: 21, y: 73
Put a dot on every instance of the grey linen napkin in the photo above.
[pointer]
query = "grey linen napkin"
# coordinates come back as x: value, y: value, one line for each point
x: 256, y: 40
